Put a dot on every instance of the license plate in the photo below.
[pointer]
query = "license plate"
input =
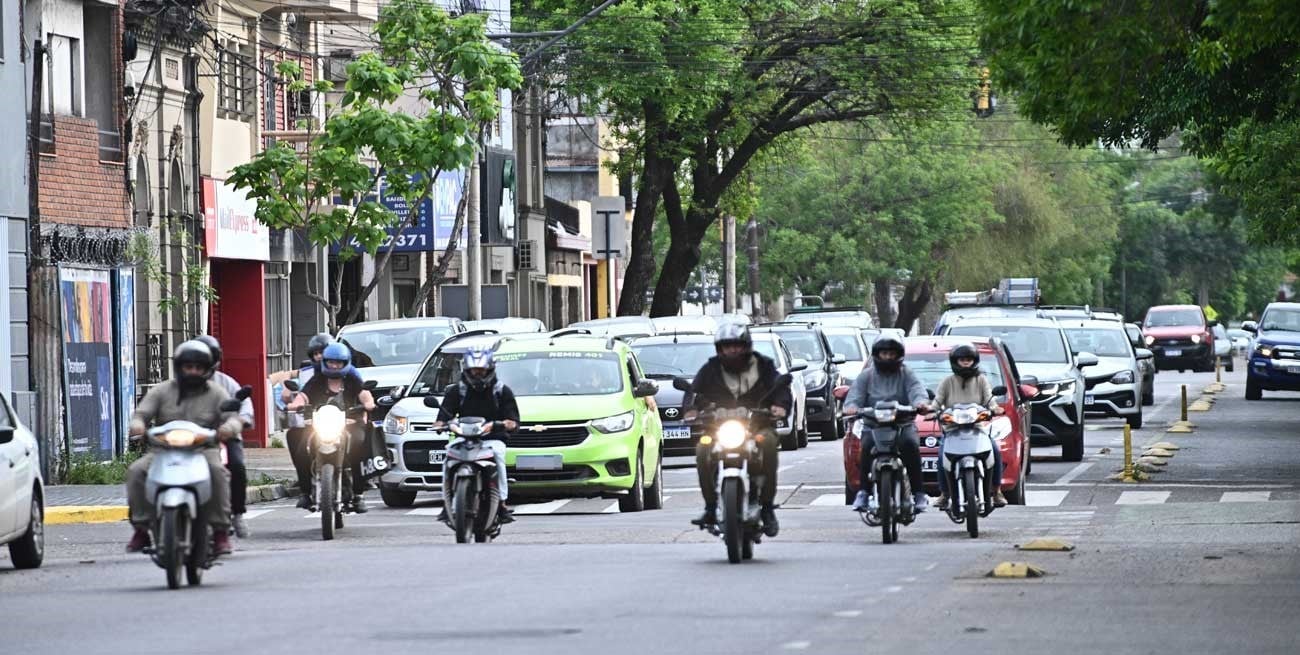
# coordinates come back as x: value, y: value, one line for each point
x: 437, y: 456
x: 929, y: 464
x: 1169, y: 352
x: 1293, y: 369
x: 678, y: 432
x: 539, y: 462
x: 1089, y: 399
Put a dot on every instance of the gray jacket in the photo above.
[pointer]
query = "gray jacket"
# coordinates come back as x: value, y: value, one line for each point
x: 871, y: 387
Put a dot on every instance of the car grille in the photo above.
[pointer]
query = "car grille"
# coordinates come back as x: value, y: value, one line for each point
x: 548, y: 437
x: 567, y: 474
x: 1283, y: 352
x: 671, y: 413
x: 415, y: 455
x: 1174, y: 342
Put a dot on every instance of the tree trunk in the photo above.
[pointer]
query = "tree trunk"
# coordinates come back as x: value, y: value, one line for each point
x: 641, y: 263
x: 682, y: 258
x: 884, y: 311
x: 916, y: 297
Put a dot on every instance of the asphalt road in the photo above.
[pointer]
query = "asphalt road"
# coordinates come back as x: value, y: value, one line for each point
x: 1203, y: 559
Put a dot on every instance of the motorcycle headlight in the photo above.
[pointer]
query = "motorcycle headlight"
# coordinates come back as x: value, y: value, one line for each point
x: 612, y: 424
x: 1148, y: 340
x: 329, y: 422
x: 1264, y: 351
x: 731, y: 434
x: 1123, y: 377
x: 180, y: 438
x: 1000, y: 428
x: 883, y: 415
x: 814, y: 380
x: 1196, y: 338
x: 396, y: 424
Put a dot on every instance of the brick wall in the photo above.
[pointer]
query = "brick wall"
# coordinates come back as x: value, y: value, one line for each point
x: 76, y: 187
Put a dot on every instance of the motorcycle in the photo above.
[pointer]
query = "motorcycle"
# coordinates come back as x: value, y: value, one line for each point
x: 893, y: 491
x: 739, y: 476
x: 329, y: 446
x: 967, y: 463
x: 180, y: 484
x: 475, y: 500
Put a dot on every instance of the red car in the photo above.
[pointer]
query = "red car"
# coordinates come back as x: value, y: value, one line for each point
x: 928, y: 358
x: 1180, y: 336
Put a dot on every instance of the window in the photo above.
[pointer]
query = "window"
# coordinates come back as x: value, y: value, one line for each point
x: 236, y: 92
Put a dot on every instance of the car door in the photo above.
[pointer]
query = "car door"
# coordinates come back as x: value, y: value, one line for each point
x: 1022, y: 403
x: 16, y: 471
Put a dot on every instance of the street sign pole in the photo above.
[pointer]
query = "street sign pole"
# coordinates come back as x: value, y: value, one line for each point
x: 608, y: 214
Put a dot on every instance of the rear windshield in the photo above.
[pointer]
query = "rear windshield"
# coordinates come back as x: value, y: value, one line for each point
x: 932, y: 368
x: 672, y: 359
x: 1031, y: 345
x: 549, y: 373
x: 393, y: 346
x: 1100, y: 342
x: 1174, y: 318
x: 804, y: 345
x: 847, y: 345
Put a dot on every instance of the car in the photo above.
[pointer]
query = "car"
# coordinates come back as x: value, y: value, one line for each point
x: 1081, y: 312
x: 1180, y: 337
x: 806, y: 341
x: 849, y: 343
x: 1223, y: 347
x: 685, y: 324
x: 927, y: 357
x: 1274, y: 363
x: 619, y: 327
x: 664, y: 358
x: 1114, y: 387
x: 951, y: 316
x: 587, y: 424
x: 827, y: 317
x: 508, y: 325
x: 1148, y: 366
x: 22, y: 491
x: 389, y: 352
x: 1041, y: 354
x: 1240, y: 342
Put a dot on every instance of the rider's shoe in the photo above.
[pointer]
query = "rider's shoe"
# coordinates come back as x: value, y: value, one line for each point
x: 443, y: 517
x: 860, y: 502
x: 139, y: 541
x: 942, y: 503
x: 359, y: 504
x: 709, y: 517
x: 999, y: 500
x: 920, y: 502
x: 505, y: 515
x: 304, y: 502
x: 770, y: 525
x: 221, y: 543
x: 240, y: 525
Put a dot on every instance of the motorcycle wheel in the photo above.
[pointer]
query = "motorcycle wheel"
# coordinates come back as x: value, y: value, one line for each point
x: 201, y: 541
x: 971, y: 497
x: 481, y: 525
x: 463, y: 523
x: 169, y: 548
x: 885, y: 500
x: 325, y: 498
x: 733, y: 524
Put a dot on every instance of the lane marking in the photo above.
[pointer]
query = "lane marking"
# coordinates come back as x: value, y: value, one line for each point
x: 424, y: 511
x: 827, y: 500
x: 932, y: 566
x: 894, y: 589
x: 797, y: 645
x: 612, y: 509
x: 1245, y: 496
x: 848, y: 614
x: 1074, y: 473
x: 1142, y: 497
x: 783, y: 469
x: 254, y: 513
x: 1188, y: 485
x: 908, y: 579
x: 1046, y: 498
x: 541, y: 508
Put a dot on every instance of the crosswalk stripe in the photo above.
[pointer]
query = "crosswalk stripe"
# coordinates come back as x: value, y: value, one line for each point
x: 424, y: 511
x: 1245, y: 496
x: 611, y: 509
x: 542, y: 508
x: 1046, y: 497
x: 1142, y: 497
x: 254, y: 513
x: 828, y: 500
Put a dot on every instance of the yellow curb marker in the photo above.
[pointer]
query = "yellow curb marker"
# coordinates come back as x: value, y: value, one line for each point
x: 1016, y: 570
x: 1157, y: 452
x: 65, y: 514
x: 1164, y: 445
x: 1153, y: 461
x: 1047, y: 543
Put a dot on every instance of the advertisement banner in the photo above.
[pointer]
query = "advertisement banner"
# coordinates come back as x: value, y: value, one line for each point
x: 230, y: 222
x: 124, y: 285
x: 88, y: 372
x: 434, y: 218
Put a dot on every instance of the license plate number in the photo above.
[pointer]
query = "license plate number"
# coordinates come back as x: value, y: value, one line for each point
x: 678, y: 432
x: 437, y: 456
x: 1173, y: 352
x: 929, y: 463
x: 539, y: 462
x: 1089, y: 399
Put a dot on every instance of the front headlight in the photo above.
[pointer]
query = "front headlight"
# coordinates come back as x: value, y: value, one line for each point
x: 731, y: 434
x: 329, y: 422
x: 396, y: 424
x: 814, y: 380
x: 1196, y: 338
x: 180, y: 438
x: 612, y: 424
x: 1264, y: 351
x: 1123, y: 377
x: 1148, y: 340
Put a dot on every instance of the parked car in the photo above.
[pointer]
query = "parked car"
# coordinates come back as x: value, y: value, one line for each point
x: 848, y: 342
x: 1275, y: 357
x: 1147, y: 366
x: 587, y: 427
x: 1180, y: 337
x: 508, y: 325
x: 827, y: 317
x: 1114, y: 387
x: 928, y: 358
x: 619, y: 327
x: 685, y: 324
x: 806, y: 341
x: 22, y: 491
x: 1240, y: 342
x: 666, y: 357
x: 1042, y: 356
x: 1223, y: 347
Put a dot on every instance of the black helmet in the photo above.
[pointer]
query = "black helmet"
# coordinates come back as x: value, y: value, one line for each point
x: 964, y: 351
x: 192, y: 352
x: 881, y: 345
x: 213, y: 345
x: 732, y: 333
x: 317, y: 344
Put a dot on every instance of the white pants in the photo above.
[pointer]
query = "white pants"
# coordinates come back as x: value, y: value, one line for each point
x: 499, y: 454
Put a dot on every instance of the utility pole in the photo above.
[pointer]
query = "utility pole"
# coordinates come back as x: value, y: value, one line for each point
x: 751, y: 243
x: 34, y: 155
x: 728, y: 264
x: 473, y: 251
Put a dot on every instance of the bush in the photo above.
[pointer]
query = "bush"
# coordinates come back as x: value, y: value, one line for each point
x: 85, y: 469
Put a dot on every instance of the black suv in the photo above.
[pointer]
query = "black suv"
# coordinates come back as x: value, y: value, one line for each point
x: 807, y: 342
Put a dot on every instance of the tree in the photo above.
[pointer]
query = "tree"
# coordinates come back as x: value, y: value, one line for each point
x: 444, y: 66
x: 1220, y: 72
x: 698, y: 89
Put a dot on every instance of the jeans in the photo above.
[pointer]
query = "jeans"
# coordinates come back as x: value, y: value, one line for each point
x: 499, y: 456
x: 216, y: 511
x: 769, y: 446
x: 238, y: 476
x: 909, y: 450
x: 997, y: 469
x: 298, y: 441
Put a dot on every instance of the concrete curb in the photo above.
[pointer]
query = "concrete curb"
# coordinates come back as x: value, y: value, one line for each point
x: 72, y: 514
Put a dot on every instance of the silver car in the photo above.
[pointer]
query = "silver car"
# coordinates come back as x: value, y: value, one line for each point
x: 390, y: 352
x: 1115, y: 386
x: 1147, y: 366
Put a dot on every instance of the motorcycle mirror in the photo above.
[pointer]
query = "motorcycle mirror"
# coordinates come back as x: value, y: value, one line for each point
x: 681, y: 384
x: 432, y: 402
x: 841, y: 392
x: 369, y: 385
x: 930, y: 393
x: 306, y: 363
x: 244, y: 393
x: 783, y: 381
x: 999, y: 391
x: 292, y: 385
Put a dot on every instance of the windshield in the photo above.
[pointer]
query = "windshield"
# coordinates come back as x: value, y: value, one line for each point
x: 554, y: 373
x: 804, y: 345
x: 932, y: 368
x: 1030, y: 345
x: 393, y: 346
x: 1287, y: 320
x: 670, y: 359
x: 847, y: 345
x: 828, y: 319
x: 1174, y: 318
x: 1100, y: 342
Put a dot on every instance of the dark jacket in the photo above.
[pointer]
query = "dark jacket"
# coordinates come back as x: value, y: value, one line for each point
x: 318, y: 391
x: 709, y: 389
x: 496, y: 404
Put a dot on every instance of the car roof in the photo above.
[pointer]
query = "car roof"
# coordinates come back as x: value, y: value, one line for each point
x: 427, y: 321
x: 1015, y: 321
x: 943, y: 344
x: 662, y: 339
x: 845, y: 329
x: 614, y: 320
x: 1283, y: 305
x: 1159, y: 308
x: 786, y: 327
x: 574, y: 342
x: 463, y: 342
x: 1097, y: 324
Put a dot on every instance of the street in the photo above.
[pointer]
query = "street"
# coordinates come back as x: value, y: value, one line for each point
x: 1219, y: 532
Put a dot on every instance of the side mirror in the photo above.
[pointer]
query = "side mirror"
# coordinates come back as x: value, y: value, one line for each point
x: 292, y: 385
x: 841, y: 392
x: 1251, y: 327
x: 369, y: 385
x: 681, y: 384
x: 999, y: 391
x: 432, y: 402
x: 930, y: 393
x: 798, y: 365
x: 7, y: 434
x: 1143, y: 353
x: 1084, y: 360
x: 839, y: 359
x: 398, y: 392
x: 386, y: 401
x: 244, y: 393
x: 230, y: 406
x: 1029, y: 381
x: 1029, y: 390
x: 645, y: 389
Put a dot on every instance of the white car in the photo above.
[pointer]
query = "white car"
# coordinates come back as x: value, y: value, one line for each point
x: 1223, y: 348
x: 22, y: 492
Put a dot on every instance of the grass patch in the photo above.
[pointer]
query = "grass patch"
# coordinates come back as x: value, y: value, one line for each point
x: 85, y: 469
x: 277, y: 442
x: 263, y: 479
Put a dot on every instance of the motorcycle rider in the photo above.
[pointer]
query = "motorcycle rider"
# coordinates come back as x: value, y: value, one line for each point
x: 189, y: 396
x: 888, y: 379
x: 480, y: 393
x: 968, y: 384
x: 739, y: 377
x: 335, y: 377
x: 235, y: 446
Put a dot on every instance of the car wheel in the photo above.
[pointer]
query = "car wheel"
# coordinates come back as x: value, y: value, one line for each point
x: 1016, y: 494
x: 790, y: 441
x: 827, y: 430
x: 29, y: 550
x: 1072, y: 447
x: 634, y: 501
x: 654, y: 495
x: 1253, y: 392
x: 397, y: 497
x: 1135, y: 421
x: 803, y: 435
x: 1232, y: 365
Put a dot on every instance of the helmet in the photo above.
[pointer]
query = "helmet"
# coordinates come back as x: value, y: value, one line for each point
x: 196, y: 353
x: 479, y: 359
x: 213, y: 345
x: 336, y: 352
x: 733, y: 333
x: 964, y: 351
x: 317, y: 344
x: 881, y: 345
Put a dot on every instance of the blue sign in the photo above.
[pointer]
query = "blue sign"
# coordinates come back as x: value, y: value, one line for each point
x: 124, y: 283
x: 434, y: 218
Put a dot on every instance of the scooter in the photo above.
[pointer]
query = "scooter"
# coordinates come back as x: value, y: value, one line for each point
x: 475, y: 501
x: 893, y: 492
x: 967, y: 462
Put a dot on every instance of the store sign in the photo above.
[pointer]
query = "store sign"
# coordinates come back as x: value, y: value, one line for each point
x: 231, y: 225
x: 434, y: 218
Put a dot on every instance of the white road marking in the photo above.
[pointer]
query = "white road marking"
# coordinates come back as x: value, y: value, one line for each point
x: 894, y: 589
x: 783, y: 469
x: 254, y: 513
x: 1142, y: 497
x: 797, y: 645
x: 613, y: 508
x: 848, y: 614
x: 908, y: 579
x: 1245, y: 496
x: 931, y: 566
x: 541, y: 508
x: 424, y: 511
x: 1046, y: 497
x: 1074, y: 473
x: 828, y: 500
